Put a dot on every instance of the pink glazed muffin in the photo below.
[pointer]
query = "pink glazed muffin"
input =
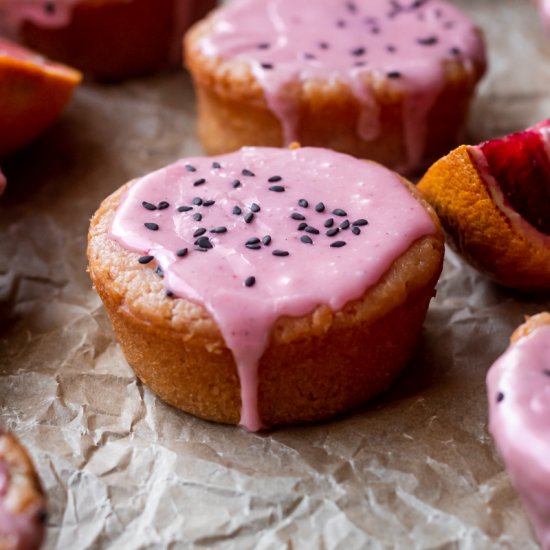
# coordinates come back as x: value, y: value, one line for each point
x: 518, y: 387
x: 22, y: 502
x: 267, y: 286
x: 378, y: 79
x: 108, y: 39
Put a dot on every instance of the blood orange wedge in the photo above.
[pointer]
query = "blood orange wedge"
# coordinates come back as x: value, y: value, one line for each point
x: 518, y: 386
x: 33, y: 94
x: 494, y: 202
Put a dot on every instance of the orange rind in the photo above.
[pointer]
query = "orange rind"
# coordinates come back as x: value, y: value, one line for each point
x: 493, y: 200
x: 33, y: 94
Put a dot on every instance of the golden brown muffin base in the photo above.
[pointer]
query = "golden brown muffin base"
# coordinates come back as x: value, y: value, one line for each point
x: 233, y: 111
x: 313, y: 367
x: 113, y: 39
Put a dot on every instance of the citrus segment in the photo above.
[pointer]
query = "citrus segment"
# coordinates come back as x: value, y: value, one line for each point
x: 33, y: 94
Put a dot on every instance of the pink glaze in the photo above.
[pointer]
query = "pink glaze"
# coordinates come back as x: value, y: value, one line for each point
x: 311, y: 275
x: 518, y: 386
x: 23, y: 531
x: 407, y: 42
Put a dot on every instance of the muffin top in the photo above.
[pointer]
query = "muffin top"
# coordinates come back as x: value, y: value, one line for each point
x: 264, y: 233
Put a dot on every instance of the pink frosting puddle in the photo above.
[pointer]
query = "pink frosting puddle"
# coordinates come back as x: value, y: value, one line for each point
x: 288, y: 41
x: 518, y: 386
x: 264, y: 233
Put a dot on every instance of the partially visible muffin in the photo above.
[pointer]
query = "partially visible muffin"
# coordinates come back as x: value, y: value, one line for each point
x: 372, y: 78
x: 107, y: 39
x: 22, y: 501
x: 266, y: 286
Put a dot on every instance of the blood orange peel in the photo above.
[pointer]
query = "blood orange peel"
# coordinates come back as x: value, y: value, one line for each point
x: 494, y: 203
x: 33, y: 94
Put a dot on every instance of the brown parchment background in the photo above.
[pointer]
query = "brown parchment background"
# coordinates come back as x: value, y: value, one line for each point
x: 414, y: 469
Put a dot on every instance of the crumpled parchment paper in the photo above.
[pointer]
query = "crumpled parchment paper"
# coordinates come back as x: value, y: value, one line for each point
x: 414, y: 469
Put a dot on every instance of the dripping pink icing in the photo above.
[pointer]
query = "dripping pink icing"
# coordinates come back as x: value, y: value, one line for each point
x: 24, y: 531
x: 286, y: 33
x: 311, y: 275
x: 518, y: 386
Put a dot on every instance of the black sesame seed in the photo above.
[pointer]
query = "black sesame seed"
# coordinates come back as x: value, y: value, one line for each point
x: 341, y: 23
x: 352, y: 7
x: 312, y: 230
x: 500, y: 396
x: 216, y: 165
x: 428, y: 41
x: 209, y: 202
x: 145, y: 259
x: 250, y: 281
x: 253, y: 240
x: 319, y: 207
x: 253, y: 246
x: 332, y: 232
x: 197, y: 201
x: 329, y: 222
x: 302, y: 226
x: 455, y: 51
x: 237, y: 211
x: 163, y: 205
x: 356, y: 230
x: 306, y: 239
x: 358, y: 52
x: 375, y: 30
x: 393, y: 74
x: 200, y: 231
x: 345, y: 224
x: 182, y: 252
x: 42, y: 516
x: 309, y: 56
x: 274, y: 179
x: 280, y: 253
x: 190, y: 168
x: 203, y: 242
x: 49, y: 7
x: 277, y: 188
x: 255, y: 207
x: 236, y: 184
x: 199, y: 182
x: 546, y: 372
x: 263, y: 46
x: 303, y: 203
x: 360, y: 222
x: 152, y: 226
x: 184, y: 208
x: 247, y: 172
x: 267, y: 65
x: 249, y: 217
x: 266, y: 240
x: 169, y: 294
x: 339, y: 212
x: 296, y: 216
x: 338, y: 244
x: 391, y: 48
x: 220, y: 229
x: 159, y: 271
x: 197, y: 217
x: 324, y: 45
x: 148, y: 205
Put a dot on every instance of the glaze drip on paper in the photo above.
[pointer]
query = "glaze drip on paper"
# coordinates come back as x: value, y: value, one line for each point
x: 264, y: 233
x: 407, y: 43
